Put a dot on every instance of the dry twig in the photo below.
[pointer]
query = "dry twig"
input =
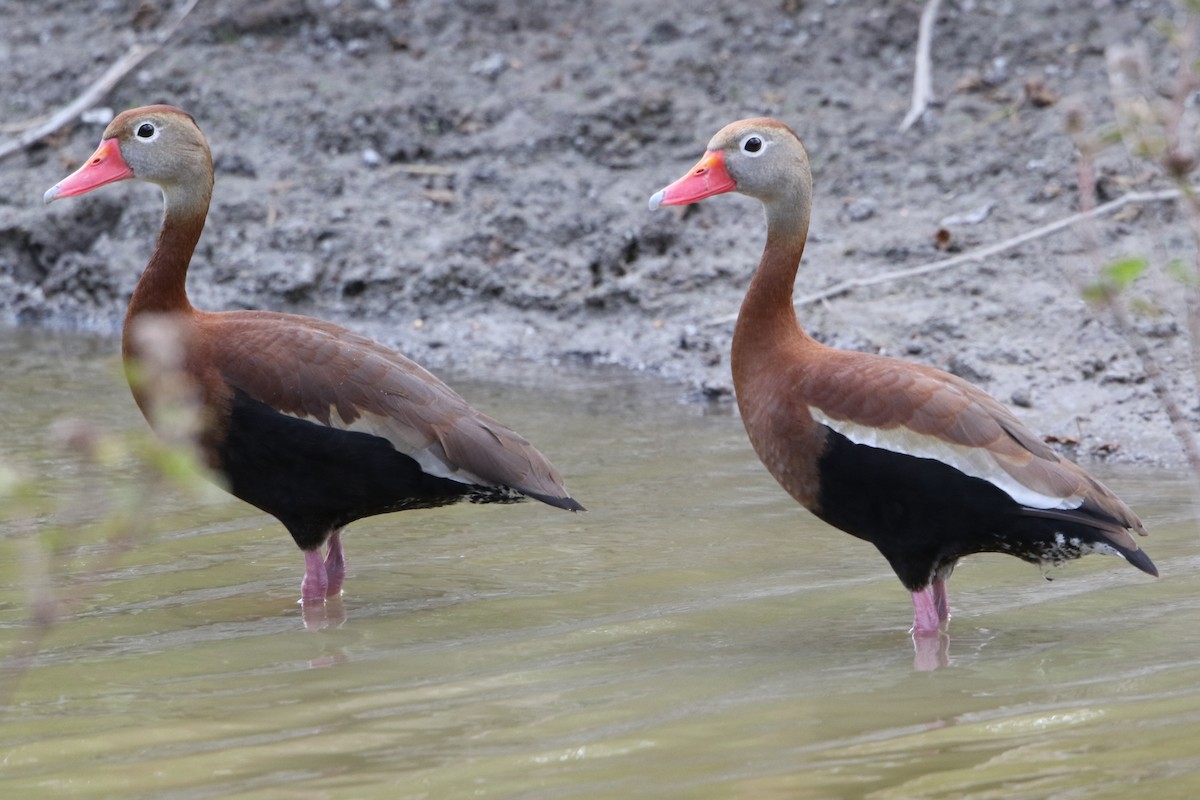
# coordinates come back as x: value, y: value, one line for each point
x: 923, y: 73
x: 97, y: 90
x: 980, y: 253
x: 1125, y: 325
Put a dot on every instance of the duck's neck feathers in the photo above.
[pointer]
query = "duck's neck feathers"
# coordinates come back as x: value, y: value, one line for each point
x: 162, y: 287
x: 767, y: 327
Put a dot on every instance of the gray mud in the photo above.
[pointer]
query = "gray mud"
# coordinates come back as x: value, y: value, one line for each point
x: 468, y: 181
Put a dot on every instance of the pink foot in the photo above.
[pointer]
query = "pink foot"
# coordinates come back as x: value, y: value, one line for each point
x: 926, y: 617
x: 941, y: 601
x: 930, y: 651
x: 316, y: 580
x: 319, y: 616
x: 931, y: 611
x: 335, y: 565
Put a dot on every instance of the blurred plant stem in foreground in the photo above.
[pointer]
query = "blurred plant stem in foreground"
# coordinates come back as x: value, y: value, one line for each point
x: 1156, y: 126
x: 63, y: 555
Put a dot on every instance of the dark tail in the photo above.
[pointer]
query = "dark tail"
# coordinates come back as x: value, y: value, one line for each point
x: 567, y: 503
x: 1140, y: 560
x: 1087, y: 528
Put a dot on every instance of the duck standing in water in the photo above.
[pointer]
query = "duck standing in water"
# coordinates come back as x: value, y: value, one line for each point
x: 924, y: 465
x: 310, y: 422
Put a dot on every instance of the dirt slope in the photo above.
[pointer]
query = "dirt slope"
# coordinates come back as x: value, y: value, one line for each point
x: 467, y: 181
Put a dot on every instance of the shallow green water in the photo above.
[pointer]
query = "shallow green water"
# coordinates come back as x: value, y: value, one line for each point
x: 693, y: 635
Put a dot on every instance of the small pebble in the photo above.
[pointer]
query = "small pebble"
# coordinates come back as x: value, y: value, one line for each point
x: 972, y: 217
x: 860, y: 209
x: 997, y: 72
x: 100, y: 115
x: 490, y: 67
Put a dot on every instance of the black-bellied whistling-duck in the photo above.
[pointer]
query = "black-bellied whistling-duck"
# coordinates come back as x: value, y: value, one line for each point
x: 923, y: 465
x: 310, y: 422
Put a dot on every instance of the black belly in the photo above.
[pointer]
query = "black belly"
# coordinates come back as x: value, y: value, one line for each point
x: 924, y: 515
x: 315, y: 479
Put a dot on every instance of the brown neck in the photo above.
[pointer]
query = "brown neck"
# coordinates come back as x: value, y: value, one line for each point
x: 161, y: 288
x: 767, y: 325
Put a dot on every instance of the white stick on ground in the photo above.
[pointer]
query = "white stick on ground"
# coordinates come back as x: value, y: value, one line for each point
x: 923, y: 73
x: 97, y: 90
x: 979, y: 254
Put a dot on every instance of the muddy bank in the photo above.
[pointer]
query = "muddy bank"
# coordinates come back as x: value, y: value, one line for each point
x: 468, y: 183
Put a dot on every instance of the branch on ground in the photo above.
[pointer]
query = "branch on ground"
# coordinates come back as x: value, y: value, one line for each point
x: 96, y: 91
x: 923, y: 72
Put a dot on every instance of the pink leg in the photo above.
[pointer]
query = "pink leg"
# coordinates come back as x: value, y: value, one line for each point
x: 931, y: 610
x: 335, y: 565
x: 926, y: 618
x: 316, y: 580
x: 941, y: 600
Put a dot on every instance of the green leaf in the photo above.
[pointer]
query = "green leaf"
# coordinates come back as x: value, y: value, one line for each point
x: 1183, y: 272
x: 1120, y: 274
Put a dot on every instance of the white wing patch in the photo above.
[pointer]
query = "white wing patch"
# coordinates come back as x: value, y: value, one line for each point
x: 974, y: 461
x: 426, y: 451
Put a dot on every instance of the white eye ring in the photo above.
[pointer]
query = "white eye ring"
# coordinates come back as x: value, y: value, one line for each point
x: 753, y: 145
x: 142, y: 135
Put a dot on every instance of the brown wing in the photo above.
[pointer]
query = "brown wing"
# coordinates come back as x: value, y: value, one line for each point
x: 327, y: 374
x: 925, y: 412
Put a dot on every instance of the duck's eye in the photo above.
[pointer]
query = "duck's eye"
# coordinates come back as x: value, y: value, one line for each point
x: 752, y: 145
x: 147, y: 131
